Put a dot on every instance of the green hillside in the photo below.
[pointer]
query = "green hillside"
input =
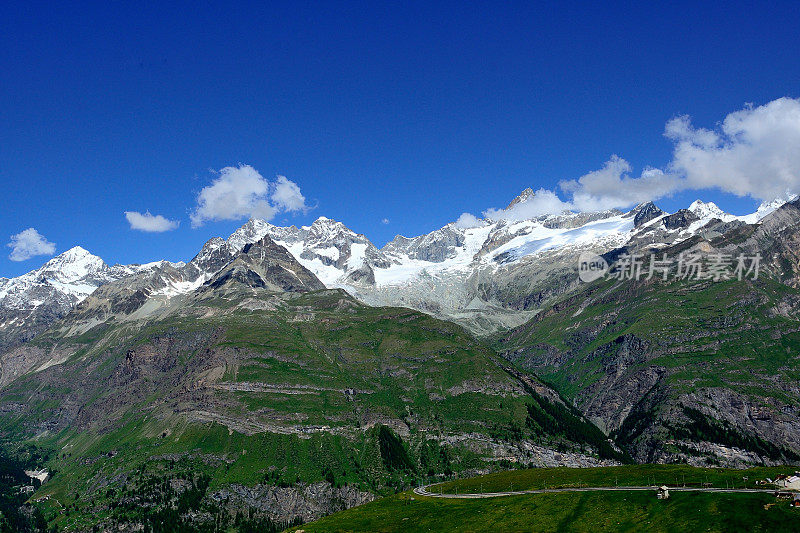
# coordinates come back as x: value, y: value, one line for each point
x: 576, y: 511
x: 190, y: 410
x: 679, y: 362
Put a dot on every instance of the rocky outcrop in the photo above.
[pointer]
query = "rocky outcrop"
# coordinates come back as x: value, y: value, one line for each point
x: 680, y: 219
x: 266, y: 265
x: 434, y: 247
x: 307, y: 501
x: 644, y: 213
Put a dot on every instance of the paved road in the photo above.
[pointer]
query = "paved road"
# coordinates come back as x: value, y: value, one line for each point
x: 423, y: 491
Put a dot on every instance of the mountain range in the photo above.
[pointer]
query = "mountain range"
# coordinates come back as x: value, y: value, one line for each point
x: 291, y: 372
x: 494, y: 275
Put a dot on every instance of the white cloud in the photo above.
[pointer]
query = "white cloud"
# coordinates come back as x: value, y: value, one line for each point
x: 468, y: 220
x: 287, y: 197
x: 543, y: 202
x: 29, y: 243
x: 612, y: 186
x: 754, y: 152
x: 241, y: 192
x: 385, y: 221
x: 151, y: 223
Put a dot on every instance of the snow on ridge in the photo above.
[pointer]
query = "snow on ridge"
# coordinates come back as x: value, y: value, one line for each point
x: 709, y: 211
x: 542, y: 238
x: 766, y: 208
x: 70, y: 276
x: 332, y: 252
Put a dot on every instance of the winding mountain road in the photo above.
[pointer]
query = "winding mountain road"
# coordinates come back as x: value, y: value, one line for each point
x: 423, y: 491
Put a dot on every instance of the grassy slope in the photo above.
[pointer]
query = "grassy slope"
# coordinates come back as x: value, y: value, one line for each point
x: 626, y: 475
x: 704, y: 335
x: 698, y: 327
x: 590, y: 512
x: 404, y: 365
x: 609, y: 511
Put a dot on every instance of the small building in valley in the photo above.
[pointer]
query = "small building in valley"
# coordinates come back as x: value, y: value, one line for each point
x: 662, y: 493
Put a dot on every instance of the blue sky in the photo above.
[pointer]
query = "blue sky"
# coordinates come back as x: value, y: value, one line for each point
x: 409, y: 112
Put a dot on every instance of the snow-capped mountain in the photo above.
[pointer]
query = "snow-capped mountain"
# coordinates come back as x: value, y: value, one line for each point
x: 68, y: 277
x: 336, y: 254
x: 30, y: 302
x: 709, y: 210
x: 497, y: 273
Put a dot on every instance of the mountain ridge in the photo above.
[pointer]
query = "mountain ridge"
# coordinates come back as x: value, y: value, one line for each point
x: 471, y: 275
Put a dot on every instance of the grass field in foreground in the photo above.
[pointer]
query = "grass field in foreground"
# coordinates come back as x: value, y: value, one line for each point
x: 585, y: 511
x: 627, y: 475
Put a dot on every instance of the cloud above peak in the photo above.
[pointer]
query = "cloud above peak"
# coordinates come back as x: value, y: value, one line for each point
x: 29, y: 243
x: 150, y: 223
x: 754, y: 152
x: 612, y: 186
x: 241, y: 192
x: 543, y: 202
x: 286, y: 196
x: 468, y: 220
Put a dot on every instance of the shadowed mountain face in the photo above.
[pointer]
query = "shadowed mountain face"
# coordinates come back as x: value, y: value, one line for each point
x: 266, y: 265
x: 262, y: 267
x: 692, y: 370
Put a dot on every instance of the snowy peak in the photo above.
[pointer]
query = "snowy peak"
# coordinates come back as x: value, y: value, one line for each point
x: 327, y: 231
x: 72, y: 265
x: 255, y: 229
x: 434, y: 247
x: 266, y: 265
x: 31, y: 302
x: 65, y: 279
x: 709, y: 210
x: 328, y: 248
x: 252, y: 231
x: 644, y: 213
x: 768, y: 207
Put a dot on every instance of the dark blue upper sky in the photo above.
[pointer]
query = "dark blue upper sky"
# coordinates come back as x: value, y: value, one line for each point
x: 414, y: 111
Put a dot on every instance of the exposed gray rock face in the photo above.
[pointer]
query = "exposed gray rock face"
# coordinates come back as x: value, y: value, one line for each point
x: 218, y: 268
x: 434, y: 247
x: 684, y: 389
x: 524, y: 196
x: 776, y: 238
x: 18, y: 361
x: 266, y: 265
x: 326, y: 243
x: 215, y: 254
x: 644, y: 213
x: 308, y: 501
x: 525, y: 452
x: 680, y: 220
x: 155, y: 286
x: 571, y: 220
